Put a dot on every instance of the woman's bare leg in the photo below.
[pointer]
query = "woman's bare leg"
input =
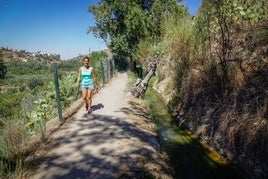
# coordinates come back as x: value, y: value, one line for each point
x: 84, y: 97
x: 89, y: 98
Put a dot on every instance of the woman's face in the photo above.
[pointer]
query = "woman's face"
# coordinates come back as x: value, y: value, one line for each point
x: 86, y: 62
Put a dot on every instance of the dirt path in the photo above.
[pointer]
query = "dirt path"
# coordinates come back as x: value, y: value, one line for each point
x: 117, y: 140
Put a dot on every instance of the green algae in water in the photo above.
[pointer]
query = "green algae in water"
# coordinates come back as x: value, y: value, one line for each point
x: 188, y: 157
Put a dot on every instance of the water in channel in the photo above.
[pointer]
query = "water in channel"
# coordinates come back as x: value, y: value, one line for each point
x: 188, y: 157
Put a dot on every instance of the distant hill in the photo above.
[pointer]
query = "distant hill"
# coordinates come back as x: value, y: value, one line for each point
x: 23, y: 55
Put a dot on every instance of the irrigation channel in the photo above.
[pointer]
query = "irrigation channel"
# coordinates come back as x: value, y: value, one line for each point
x: 189, y: 158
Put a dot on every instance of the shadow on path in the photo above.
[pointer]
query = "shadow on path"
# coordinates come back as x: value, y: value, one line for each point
x: 97, y: 146
x: 97, y: 107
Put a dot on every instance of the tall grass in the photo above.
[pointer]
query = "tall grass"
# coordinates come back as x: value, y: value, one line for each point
x: 179, y: 40
x: 176, y: 49
x: 13, y: 139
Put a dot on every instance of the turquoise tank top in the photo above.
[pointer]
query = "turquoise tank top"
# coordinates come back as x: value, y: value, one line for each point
x: 87, y: 78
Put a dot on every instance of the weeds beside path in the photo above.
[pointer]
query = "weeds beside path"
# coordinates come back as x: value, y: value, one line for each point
x: 117, y: 140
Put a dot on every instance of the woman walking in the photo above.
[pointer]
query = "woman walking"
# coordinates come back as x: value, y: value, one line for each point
x: 86, y: 75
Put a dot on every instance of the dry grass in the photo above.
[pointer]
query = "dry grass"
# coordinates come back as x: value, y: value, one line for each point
x: 153, y: 165
x: 227, y: 111
x: 13, y: 139
x: 235, y: 122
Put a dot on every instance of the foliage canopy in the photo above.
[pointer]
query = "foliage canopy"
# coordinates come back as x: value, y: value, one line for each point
x: 123, y: 24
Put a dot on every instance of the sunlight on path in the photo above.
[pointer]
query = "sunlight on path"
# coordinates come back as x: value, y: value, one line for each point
x: 103, y: 144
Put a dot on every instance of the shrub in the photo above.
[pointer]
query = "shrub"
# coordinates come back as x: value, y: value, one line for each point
x: 33, y: 83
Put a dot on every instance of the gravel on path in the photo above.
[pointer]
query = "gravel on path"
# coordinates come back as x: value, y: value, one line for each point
x: 116, y: 140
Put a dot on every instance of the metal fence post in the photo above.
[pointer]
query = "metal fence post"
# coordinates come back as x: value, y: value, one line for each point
x: 57, y: 90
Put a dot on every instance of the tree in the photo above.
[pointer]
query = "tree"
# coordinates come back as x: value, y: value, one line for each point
x: 123, y: 24
x: 3, y: 68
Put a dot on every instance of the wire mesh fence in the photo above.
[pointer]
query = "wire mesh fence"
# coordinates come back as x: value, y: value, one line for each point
x: 108, y: 70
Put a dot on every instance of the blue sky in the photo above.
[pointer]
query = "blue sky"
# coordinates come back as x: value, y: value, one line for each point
x: 53, y: 26
x: 192, y: 5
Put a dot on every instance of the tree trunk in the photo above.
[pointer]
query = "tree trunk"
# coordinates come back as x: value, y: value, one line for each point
x: 139, y: 88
